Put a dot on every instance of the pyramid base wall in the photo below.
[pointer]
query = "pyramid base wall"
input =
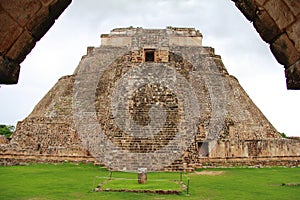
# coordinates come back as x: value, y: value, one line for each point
x: 265, y: 161
x: 22, y: 159
x: 190, y: 161
x: 254, y: 148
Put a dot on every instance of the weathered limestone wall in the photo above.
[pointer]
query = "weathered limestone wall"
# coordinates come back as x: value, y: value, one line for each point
x: 263, y: 161
x: 278, y: 23
x: 3, y: 139
x: 232, y: 153
x: 48, y: 133
x: 57, y: 103
x: 52, y: 136
x: 255, y: 148
x: 261, y: 152
x: 23, y: 23
x: 244, y: 120
x: 177, y: 36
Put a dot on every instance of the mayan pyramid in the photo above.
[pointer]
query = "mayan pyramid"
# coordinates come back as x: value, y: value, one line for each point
x: 151, y: 98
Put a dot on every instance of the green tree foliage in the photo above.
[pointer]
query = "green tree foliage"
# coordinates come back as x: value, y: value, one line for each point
x: 6, y: 130
x: 283, y: 135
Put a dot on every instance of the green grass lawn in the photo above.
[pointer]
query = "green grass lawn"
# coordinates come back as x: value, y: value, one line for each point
x: 70, y: 181
x: 117, y: 184
x: 155, y: 181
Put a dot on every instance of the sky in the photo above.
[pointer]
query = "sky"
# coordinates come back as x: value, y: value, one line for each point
x: 245, y: 55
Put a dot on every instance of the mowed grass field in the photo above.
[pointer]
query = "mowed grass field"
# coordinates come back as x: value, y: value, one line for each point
x: 70, y: 181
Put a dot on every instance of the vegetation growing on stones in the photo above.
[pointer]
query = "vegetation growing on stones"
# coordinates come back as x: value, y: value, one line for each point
x: 283, y: 135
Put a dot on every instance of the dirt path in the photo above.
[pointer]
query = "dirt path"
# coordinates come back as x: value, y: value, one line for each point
x: 210, y: 173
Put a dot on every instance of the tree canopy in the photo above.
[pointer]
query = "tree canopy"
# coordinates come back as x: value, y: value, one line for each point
x: 6, y: 130
x: 283, y: 135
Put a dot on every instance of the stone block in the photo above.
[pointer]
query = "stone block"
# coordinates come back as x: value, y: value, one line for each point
x: 292, y: 74
x: 116, y: 41
x: 260, y: 2
x: 284, y: 50
x: 9, y: 31
x: 294, y: 5
x: 280, y: 12
x: 3, y: 139
x: 57, y: 7
x: 142, y: 175
x: 47, y: 2
x: 21, y: 47
x: 21, y: 11
x: 185, y: 41
x: 247, y: 7
x: 294, y: 33
x: 266, y: 26
x: 137, y: 56
x: 40, y: 24
x: 9, y: 71
x: 164, y: 56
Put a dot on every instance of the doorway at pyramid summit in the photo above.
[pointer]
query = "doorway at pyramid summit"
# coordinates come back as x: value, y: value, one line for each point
x: 154, y: 99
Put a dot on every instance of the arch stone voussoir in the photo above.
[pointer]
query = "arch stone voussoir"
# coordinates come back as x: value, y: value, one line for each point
x: 278, y: 23
x: 23, y: 23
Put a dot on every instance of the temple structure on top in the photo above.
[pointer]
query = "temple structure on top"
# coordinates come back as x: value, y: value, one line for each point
x: 149, y: 98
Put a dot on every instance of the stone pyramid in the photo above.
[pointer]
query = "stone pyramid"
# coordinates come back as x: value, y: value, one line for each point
x: 149, y: 98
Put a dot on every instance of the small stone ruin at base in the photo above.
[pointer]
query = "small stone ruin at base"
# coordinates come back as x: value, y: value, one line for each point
x: 163, y: 78
x: 142, y: 175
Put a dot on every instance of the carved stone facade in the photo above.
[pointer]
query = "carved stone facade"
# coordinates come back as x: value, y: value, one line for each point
x: 150, y: 91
